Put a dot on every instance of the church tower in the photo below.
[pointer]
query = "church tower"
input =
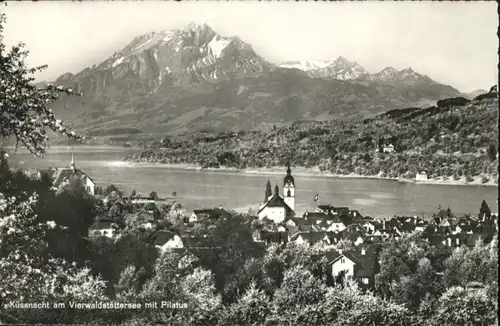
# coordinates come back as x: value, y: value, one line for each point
x: 72, y: 164
x: 289, y: 189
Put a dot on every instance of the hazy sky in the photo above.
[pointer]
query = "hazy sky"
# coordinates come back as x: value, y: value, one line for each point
x: 453, y: 42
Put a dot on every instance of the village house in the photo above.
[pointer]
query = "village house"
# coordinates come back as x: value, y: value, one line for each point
x: 327, y: 209
x: 310, y: 238
x: 354, y: 233
x: 422, y: 176
x: 164, y: 240
x: 372, y: 239
x: 388, y: 149
x: 336, y: 225
x: 315, y: 217
x: 102, y: 227
x: 268, y: 237
x: 370, y: 226
x: 203, y: 214
x: 335, y: 237
x: 144, y: 220
x: 140, y: 199
x: 62, y: 176
x: 342, y: 211
x: 454, y: 240
x: 360, y: 265
x: 297, y: 224
x: 187, y: 258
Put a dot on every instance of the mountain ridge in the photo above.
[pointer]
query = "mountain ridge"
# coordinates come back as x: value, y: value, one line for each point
x: 193, y: 78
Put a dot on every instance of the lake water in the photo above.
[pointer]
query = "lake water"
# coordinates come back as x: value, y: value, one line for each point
x: 239, y: 190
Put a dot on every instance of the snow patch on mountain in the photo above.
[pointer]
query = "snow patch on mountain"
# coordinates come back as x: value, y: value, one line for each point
x: 118, y: 62
x: 168, y: 36
x: 306, y: 65
x: 217, y: 45
x: 340, y: 68
x: 241, y: 89
x: 138, y: 47
x: 389, y: 71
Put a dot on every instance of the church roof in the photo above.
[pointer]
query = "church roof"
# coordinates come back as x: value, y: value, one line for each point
x: 60, y: 175
x: 276, y: 201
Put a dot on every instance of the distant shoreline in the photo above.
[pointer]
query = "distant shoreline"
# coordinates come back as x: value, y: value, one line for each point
x: 315, y: 172
x: 298, y: 171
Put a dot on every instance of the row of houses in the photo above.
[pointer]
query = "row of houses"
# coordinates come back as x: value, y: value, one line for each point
x: 359, y: 264
x: 366, y: 234
x: 330, y: 225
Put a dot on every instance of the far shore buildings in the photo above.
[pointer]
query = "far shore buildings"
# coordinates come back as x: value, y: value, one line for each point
x: 422, y: 176
x: 388, y: 149
x: 62, y: 176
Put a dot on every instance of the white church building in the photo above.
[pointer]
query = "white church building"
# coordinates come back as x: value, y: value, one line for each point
x: 61, y: 176
x: 277, y: 208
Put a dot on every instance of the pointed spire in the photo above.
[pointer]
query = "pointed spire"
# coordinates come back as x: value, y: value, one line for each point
x: 288, y: 180
x: 276, y: 189
x: 72, y: 164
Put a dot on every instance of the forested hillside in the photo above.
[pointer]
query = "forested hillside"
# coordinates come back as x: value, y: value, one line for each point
x: 456, y: 139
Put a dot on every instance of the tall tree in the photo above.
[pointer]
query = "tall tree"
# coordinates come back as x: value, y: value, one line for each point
x: 251, y: 309
x: 299, y: 300
x: 109, y: 189
x: 25, y: 113
x: 492, y: 152
x: 153, y: 195
x: 225, y: 250
x: 484, y: 211
x: 269, y: 191
x: 459, y: 306
x: 27, y: 271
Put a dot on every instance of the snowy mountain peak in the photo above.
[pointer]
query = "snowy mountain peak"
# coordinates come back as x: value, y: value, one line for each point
x: 342, y: 60
x: 408, y: 72
x: 340, y: 68
x: 195, y: 53
x: 305, y: 65
x: 388, y: 70
x: 195, y: 25
x: 404, y: 77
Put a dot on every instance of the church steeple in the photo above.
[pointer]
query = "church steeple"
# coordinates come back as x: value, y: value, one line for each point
x: 289, y: 188
x: 288, y: 178
x: 72, y: 163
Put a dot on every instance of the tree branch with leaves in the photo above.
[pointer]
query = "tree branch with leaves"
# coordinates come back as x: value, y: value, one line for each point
x: 24, y: 111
